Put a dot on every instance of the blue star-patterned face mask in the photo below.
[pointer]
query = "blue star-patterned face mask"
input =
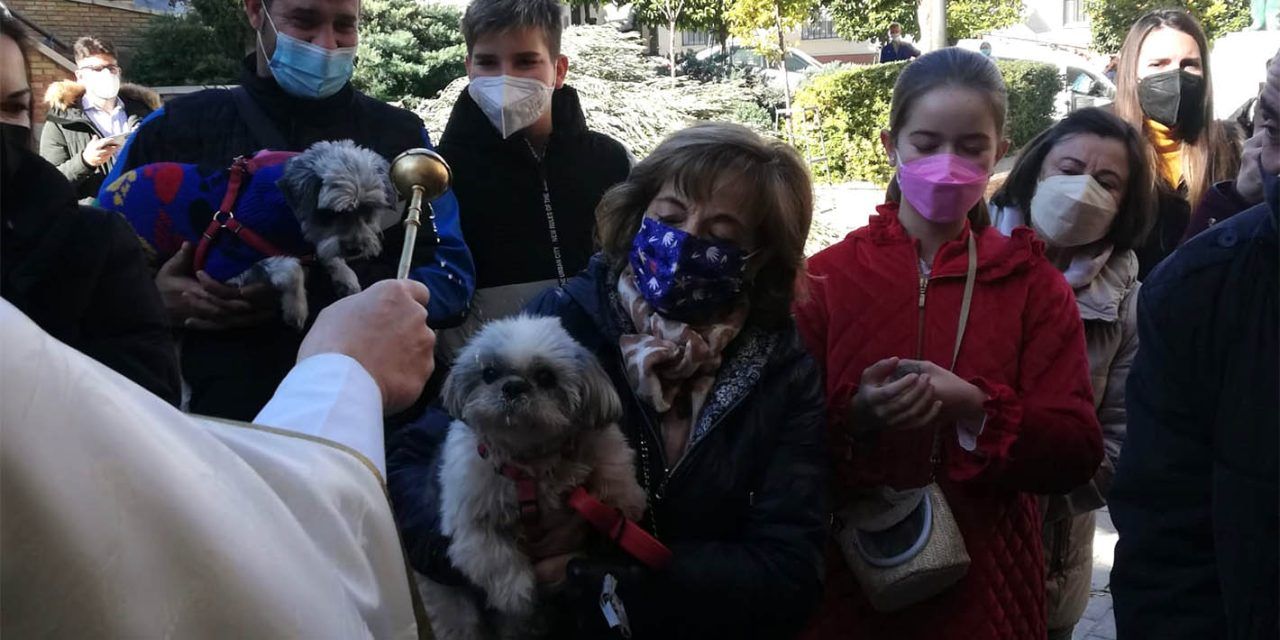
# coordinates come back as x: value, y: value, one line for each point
x: 684, y: 277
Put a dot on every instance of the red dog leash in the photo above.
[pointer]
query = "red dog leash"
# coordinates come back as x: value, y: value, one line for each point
x: 225, y: 217
x: 607, y: 520
x: 626, y: 534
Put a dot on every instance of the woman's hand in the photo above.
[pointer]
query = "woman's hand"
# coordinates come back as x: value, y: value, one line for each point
x: 894, y: 396
x: 960, y: 399
x: 558, y: 538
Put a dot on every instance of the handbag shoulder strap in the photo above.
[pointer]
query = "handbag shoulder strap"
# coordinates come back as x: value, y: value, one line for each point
x: 970, y: 276
x: 264, y: 132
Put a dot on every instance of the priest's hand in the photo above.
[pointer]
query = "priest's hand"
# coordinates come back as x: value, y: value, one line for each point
x: 384, y: 328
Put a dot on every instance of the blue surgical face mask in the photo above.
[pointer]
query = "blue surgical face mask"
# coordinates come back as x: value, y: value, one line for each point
x: 305, y: 70
x: 684, y: 277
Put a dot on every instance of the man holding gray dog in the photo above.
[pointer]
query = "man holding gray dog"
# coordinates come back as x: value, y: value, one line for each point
x: 294, y: 91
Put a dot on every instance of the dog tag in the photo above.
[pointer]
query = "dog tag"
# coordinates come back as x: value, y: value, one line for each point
x: 611, y: 605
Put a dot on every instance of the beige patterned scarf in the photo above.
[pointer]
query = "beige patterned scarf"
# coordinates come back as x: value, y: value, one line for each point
x: 670, y: 364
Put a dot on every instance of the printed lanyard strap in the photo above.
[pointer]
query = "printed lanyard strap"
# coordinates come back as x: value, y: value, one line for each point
x: 551, y: 214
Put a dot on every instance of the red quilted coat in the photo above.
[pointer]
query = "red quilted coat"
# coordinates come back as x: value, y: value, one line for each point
x: 1024, y: 346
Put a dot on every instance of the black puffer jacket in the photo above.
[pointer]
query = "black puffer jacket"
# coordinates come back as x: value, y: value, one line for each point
x: 744, y: 511
x: 67, y: 131
x: 80, y: 274
x: 499, y: 187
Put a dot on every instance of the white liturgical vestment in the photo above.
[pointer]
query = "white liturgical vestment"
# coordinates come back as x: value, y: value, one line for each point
x: 121, y: 517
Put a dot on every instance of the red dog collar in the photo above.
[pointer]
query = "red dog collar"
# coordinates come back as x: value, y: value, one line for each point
x: 607, y: 520
x: 526, y: 488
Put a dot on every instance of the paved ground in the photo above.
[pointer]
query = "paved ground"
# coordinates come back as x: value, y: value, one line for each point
x: 1099, y: 623
x: 839, y: 209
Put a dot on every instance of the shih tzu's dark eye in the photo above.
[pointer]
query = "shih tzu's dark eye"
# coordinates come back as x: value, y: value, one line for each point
x: 489, y: 375
x: 545, y: 378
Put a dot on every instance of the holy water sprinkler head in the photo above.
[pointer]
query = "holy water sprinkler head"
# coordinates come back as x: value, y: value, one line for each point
x: 421, y: 168
x: 420, y: 175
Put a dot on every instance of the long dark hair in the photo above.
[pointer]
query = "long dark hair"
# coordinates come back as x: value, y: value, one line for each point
x: 10, y: 27
x: 1202, y: 163
x: 949, y: 67
x: 1137, y: 209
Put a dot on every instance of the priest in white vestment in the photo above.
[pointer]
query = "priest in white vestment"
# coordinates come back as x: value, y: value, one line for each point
x: 121, y: 517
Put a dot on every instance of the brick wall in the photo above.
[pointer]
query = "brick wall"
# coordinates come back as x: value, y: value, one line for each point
x: 45, y: 68
x: 116, y: 21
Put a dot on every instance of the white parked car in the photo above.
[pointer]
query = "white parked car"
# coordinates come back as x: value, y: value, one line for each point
x: 800, y: 65
x: 1085, y: 86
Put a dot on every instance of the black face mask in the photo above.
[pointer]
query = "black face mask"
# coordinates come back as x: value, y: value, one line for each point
x: 1174, y: 98
x: 15, y: 148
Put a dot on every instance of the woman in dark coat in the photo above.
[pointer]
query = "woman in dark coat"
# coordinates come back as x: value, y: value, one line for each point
x: 721, y: 402
x: 78, y: 272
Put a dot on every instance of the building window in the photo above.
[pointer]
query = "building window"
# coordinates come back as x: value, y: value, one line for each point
x: 695, y: 38
x: 1073, y: 12
x: 818, y: 30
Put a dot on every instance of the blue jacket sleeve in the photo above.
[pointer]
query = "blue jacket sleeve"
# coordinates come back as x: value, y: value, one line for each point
x: 413, y: 483
x: 134, y: 153
x: 451, y: 276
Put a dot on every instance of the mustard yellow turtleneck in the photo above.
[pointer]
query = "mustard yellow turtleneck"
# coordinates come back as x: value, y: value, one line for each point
x: 1169, y: 149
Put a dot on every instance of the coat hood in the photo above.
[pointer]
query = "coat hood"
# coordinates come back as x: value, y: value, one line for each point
x: 998, y: 256
x: 1100, y: 275
x: 1114, y: 275
x: 65, y: 95
x: 467, y: 122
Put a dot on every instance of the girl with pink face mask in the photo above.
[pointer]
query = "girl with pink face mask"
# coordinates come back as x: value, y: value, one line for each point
x: 956, y: 381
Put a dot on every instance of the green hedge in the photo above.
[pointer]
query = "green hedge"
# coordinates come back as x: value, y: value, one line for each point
x: 853, y: 106
x: 409, y: 50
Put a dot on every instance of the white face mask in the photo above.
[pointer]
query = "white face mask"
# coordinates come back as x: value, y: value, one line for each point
x: 102, y: 85
x: 510, y: 103
x: 1072, y: 211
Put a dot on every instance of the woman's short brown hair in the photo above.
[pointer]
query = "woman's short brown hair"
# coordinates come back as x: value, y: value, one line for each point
x: 696, y: 161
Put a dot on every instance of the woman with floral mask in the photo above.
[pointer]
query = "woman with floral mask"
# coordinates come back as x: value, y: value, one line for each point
x: 1085, y: 188
x: 1164, y: 89
x: 688, y: 309
x: 956, y: 379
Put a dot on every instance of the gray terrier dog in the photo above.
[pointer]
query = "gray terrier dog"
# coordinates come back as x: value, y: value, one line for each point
x: 343, y: 198
x: 528, y: 397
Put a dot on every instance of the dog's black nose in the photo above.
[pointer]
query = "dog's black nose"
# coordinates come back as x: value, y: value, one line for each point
x: 515, y: 388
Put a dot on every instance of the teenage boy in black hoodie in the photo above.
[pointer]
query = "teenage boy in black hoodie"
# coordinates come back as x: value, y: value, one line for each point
x: 527, y: 172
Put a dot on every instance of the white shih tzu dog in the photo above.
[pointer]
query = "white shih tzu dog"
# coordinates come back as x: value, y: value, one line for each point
x: 529, y: 400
